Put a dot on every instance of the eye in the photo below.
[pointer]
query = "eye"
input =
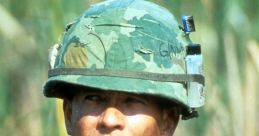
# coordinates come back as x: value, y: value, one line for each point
x: 134, y: 100
x: 94, y: 98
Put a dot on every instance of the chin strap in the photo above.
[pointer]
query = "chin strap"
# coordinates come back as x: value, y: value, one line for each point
x: 189, y: 114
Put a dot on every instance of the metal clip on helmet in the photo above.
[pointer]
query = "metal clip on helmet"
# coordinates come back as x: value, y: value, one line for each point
x: 131, y: 46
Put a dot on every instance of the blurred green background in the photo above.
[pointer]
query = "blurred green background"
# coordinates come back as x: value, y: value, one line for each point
x: 228, y: 31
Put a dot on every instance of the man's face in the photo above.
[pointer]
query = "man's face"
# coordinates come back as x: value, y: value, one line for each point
x: 98, y: 113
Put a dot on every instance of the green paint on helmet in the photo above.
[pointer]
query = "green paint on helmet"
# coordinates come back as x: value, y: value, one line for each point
x: 124, y: 35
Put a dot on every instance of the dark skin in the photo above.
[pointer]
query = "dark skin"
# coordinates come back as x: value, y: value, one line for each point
x: 107, y: 113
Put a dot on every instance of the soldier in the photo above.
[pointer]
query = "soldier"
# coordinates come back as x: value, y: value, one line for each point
x: 121, y: 70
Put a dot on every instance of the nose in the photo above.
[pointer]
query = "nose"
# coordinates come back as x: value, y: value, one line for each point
x: 111, y: 119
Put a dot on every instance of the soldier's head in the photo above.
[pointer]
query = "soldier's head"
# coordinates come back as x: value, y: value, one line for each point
x: 121, y: 70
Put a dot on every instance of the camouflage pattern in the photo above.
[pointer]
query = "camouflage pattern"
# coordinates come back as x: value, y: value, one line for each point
x: 130, y: 35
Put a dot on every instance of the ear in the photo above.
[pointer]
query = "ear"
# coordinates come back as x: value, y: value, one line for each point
x: 170, y: 120
x: 67, y: 108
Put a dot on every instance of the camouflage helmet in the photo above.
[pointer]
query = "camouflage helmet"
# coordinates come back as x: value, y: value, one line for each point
x: 131, y: 46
